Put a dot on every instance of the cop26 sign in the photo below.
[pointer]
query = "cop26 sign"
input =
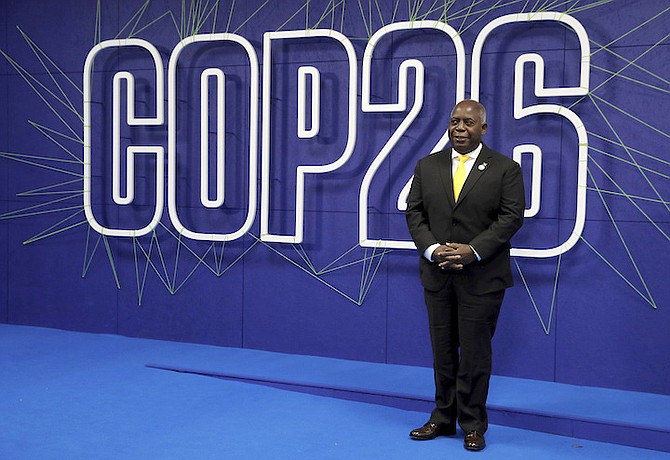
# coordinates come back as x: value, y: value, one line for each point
x: 307, y: 83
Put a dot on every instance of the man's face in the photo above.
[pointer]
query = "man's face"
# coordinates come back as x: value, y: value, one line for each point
x: 465, y: 127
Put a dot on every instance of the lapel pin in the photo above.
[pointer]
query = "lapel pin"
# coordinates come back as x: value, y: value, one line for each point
x: 482, y: 166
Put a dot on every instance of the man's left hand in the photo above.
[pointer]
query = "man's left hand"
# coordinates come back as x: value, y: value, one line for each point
x: 457, y: 256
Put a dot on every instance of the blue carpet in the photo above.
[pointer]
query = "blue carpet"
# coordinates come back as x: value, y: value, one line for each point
x: 548, y: 399
x: 69, y: 395
x: 600, y: 414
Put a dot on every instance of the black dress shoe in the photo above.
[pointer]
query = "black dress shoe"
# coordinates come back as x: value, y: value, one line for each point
x: 474, y: 441
x: 432, y: 430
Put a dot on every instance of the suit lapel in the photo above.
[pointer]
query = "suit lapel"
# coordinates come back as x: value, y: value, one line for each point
x: 481, y: 166
x: 445, y: 175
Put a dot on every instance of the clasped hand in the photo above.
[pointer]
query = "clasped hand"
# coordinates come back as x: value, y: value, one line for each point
x: 453, y: 256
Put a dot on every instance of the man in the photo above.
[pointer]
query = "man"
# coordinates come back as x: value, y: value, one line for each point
x: 464, y: 205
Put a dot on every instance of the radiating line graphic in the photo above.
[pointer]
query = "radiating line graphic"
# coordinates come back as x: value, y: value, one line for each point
x: 174, y: 260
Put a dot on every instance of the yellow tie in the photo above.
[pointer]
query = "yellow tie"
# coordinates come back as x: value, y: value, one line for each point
x: 459, y: 175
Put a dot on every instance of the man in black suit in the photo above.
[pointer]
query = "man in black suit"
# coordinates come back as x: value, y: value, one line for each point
x: 464, y: 205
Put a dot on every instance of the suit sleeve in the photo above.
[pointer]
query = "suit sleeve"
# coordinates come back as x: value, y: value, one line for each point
x: 417, y: 218
x: 510, y: 214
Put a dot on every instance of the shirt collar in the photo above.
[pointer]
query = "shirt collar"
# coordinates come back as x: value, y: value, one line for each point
x: 474, y: 154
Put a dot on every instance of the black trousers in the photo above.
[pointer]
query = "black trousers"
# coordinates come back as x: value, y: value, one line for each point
x: 461, y: 328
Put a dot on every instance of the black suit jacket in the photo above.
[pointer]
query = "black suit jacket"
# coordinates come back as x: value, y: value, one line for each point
x: 488, y: 212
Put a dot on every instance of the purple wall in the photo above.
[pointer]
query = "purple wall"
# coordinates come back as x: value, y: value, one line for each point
x: 602, y: 321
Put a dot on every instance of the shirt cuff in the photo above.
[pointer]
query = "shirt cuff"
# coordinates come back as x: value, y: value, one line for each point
x: 429, y: 251
x: 475, y: 253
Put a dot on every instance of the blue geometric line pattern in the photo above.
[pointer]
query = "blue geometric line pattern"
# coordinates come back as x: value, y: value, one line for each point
x: 55, y: 92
